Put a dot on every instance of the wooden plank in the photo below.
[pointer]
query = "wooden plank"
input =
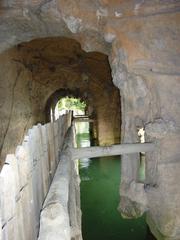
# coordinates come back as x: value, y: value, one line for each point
x: 59, y: 133
x: 12, y: 230
x: 25, y: 199
x: 24, y: 217
x: 13, y: 162
x: 56, y: 145
x: 8, y: 191
x: 119, y: 149
x: 36, y: 177
x: 36, y: 186
x: 8, y: 194
x: 51, y: 150
x: 45, y: 160
x: 26, y: 203
x: 80, y: 116
x: 22, y: 165
x: 15, y: 227
x: 41, y: 158
x: 19, y: 223
x: 83, y: 120
x: 31, y: 207
x: 4, y: 232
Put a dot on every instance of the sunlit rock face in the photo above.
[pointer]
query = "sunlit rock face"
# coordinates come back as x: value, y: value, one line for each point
x: 141, y: 39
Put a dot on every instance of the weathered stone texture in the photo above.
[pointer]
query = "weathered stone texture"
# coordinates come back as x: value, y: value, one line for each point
x: 32, y: 72
x: 142, y: 40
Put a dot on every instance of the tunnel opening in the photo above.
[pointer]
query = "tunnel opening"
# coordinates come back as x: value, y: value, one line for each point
x: 70, y: 104
x: 84, y: 113
x: 36, y: 72
x: 48, y: 70
x: 83, y: 122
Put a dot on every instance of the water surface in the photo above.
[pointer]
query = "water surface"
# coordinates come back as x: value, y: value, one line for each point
x: 100, y: 178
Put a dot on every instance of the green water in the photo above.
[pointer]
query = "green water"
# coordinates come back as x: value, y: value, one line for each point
x: 100, y: 179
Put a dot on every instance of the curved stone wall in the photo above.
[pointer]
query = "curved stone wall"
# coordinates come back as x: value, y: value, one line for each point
x: 34, y: 72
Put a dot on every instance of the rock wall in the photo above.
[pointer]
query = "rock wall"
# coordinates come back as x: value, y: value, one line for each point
x: 18, y: 103
x: 150, y: 100
x: 31, y: 73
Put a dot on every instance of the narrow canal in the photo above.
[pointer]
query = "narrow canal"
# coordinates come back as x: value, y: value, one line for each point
x: 100, y: 178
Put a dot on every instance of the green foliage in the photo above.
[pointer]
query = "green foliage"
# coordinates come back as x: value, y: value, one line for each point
x: 69, y: 103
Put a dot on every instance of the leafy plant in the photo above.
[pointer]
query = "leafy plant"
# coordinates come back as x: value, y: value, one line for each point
x: 70, y: 103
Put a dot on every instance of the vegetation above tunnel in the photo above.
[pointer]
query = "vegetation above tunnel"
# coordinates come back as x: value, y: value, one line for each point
x: 70, y: 103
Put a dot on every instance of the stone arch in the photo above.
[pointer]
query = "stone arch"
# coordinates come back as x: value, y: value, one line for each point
x: 27, y: 22
x: 61, y: 93
x: 42, y: 67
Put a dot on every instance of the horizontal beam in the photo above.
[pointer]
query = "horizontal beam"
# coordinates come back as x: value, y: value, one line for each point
x: 113, y: 150
x: 81, y: 116
x: 83, y: 120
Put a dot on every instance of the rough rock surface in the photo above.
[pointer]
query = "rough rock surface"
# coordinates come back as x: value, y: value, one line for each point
x: 35, y: 75
x: 141, y: 37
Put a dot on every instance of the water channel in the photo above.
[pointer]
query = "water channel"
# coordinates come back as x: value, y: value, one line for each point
x: 100, y: 178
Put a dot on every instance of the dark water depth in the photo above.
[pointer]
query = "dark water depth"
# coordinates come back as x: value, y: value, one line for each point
x: 100, y: 178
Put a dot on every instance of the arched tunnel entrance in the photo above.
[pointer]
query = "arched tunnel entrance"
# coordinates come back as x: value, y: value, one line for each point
x: 43, y: 71
x: 40, y: 70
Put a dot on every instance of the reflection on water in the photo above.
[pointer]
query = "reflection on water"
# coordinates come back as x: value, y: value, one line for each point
x: 84, y: 142
x: 100, y: 179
